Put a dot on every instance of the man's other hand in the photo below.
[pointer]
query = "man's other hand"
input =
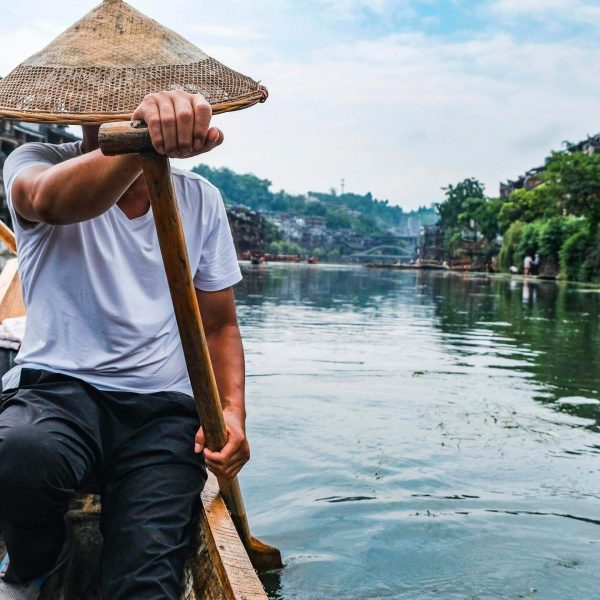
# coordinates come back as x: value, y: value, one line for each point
x: 179, y: 123
x: 234, y: 455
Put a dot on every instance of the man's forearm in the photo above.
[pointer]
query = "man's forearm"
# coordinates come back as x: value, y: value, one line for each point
x: 81, y: 188
x: 227, y: 357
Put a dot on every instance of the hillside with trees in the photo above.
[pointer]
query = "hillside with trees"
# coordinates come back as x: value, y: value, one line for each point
x: 361, y: 216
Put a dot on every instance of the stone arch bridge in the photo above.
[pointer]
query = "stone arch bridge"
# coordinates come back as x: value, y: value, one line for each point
x: 389, y: 253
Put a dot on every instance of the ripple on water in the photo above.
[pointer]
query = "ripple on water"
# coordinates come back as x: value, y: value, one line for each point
x: 578, y: 401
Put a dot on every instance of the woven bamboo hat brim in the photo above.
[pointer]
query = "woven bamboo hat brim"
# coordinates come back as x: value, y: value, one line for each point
x: 101, y: 68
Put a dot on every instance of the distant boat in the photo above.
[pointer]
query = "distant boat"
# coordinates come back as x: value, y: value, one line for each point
x: 312, y: 260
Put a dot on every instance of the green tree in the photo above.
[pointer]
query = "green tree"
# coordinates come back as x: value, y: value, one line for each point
x: 527, y: 206
x: 528, y: 243
x: 338, y: 219
x: 486, y: 216
x: 590, y: 270
x: 573, y: 183
x: 246, y: 189
x: 272, y: 232
x: 461, y: 200
x: 573, y: 253
x: 510, y: 243
x: 317, y: 209
x: 284, y: 247
x: 553, y: 234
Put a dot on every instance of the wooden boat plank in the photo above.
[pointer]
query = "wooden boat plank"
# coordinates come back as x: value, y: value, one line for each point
x: 233, y: 567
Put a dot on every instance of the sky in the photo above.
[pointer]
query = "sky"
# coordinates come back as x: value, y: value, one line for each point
x: 396, y: 97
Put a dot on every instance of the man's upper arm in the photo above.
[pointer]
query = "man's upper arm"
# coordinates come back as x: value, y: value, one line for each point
x: 23, y: 194
x: 21, y: 172
x: 217, y: 309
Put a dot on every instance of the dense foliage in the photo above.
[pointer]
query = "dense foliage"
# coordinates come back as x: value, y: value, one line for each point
x: 467, y: 215
x: 558, y: 220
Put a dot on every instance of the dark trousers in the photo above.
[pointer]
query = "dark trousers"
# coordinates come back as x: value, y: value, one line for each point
x: 57, y: 432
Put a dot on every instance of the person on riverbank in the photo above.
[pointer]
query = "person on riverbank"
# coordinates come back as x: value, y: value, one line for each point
x: 527, y: 265
x: 101, y: 390
x: 536, y: 264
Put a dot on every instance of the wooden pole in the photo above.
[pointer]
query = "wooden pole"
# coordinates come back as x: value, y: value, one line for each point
x: 8, y: 237
x: 116, y: 139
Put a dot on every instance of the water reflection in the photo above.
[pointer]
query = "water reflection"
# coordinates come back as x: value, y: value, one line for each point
x: 557, y: 326
x: 327, y: 287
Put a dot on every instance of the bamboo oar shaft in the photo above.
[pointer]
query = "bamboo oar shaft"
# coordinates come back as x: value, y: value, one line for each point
x: 183, y: 293
x: 8, y: 237
x: 174, y: 252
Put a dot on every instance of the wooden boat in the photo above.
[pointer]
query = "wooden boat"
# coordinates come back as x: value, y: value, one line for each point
x: 219, y: 567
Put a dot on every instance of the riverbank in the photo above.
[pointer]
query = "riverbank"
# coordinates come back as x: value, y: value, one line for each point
x: 461, y: 272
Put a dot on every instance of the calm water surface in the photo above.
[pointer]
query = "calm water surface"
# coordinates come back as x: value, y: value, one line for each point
x: 423, y: 435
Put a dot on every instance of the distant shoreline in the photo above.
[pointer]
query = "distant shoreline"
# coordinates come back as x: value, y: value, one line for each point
x: 471, y: 274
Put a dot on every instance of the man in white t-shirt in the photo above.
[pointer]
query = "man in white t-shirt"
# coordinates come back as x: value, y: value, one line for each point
x: 100, y: 389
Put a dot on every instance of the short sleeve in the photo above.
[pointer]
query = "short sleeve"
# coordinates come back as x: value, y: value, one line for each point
x: 25, y: 157
x: 218, y: 268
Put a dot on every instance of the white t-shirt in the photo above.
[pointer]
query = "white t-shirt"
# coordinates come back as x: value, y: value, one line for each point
x: 96, y: 293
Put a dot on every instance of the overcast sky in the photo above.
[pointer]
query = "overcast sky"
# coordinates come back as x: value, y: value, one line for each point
x: 399, y: 97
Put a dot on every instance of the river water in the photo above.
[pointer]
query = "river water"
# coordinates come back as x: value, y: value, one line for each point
x: 423, y: 435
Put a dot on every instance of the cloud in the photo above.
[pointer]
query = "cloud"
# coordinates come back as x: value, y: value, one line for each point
x: 405, y: 114
x: 356, y: 8
x: 580, y: 12
x: 229, y: 33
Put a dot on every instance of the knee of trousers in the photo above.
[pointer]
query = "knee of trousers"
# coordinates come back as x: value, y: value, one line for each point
x: 34, y: 475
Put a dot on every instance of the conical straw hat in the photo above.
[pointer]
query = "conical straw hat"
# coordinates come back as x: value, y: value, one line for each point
x: 101, y: 68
